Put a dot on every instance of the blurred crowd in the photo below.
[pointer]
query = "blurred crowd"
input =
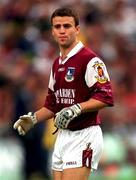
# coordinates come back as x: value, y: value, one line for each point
x: 27, y: 51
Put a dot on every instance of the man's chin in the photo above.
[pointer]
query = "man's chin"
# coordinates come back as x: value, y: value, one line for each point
x: 64, y: 45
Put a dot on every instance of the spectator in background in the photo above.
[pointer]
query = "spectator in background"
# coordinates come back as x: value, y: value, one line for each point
x: 7, y: 106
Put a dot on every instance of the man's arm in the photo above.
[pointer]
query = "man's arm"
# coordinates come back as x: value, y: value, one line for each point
x: 43, y: 114
x: 92, y: 105
x: 66, y: 115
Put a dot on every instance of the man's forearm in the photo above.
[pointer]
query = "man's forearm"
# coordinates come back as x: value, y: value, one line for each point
x: 43, y: 114
x: 92, y: 105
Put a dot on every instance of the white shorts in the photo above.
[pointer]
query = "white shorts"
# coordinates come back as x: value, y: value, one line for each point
x: 78, y: 148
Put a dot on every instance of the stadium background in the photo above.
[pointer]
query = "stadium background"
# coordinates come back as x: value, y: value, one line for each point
x: 27, y: 51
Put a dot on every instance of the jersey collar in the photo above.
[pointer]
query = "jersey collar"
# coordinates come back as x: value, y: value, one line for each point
x: 74, y: 51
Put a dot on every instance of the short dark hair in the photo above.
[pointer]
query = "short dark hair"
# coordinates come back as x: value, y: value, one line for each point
x: 66, y: 11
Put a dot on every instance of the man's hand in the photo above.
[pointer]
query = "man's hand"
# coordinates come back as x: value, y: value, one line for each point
x: 66, y: 115
x: 25, y: 123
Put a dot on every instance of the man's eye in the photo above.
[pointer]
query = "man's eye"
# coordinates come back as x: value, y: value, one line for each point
x: 57, y: 26
x: 67, y: 26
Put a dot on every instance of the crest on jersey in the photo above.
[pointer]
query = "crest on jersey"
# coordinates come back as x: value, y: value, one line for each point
x: 100, y: 70
x: 70, y: 74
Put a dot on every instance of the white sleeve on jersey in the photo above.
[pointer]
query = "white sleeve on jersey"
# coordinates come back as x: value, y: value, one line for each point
x: 96, y: 72
x: 51, y: 81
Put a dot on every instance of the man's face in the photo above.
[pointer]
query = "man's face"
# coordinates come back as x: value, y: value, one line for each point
x: 64, y: 31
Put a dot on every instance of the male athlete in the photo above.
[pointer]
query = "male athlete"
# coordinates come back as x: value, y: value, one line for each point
x: 79, y: 87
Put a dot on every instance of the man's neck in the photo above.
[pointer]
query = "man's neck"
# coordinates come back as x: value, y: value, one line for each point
x: 64, y: 51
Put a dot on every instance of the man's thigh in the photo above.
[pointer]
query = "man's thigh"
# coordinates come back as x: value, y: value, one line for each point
x: 57, y: 175
x: 81, y: 173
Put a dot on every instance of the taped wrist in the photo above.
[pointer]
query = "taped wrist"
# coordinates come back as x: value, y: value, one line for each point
x: 33, y: 117
x: 77, y: 108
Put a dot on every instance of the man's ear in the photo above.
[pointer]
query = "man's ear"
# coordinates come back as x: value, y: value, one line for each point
x: 78, y: 29
x: 52, y: 32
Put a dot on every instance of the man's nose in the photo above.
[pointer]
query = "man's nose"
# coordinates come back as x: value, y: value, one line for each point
x: 62, y: 29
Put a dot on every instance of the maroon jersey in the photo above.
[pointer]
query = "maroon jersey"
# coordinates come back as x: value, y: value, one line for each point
x: 81, y: 76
